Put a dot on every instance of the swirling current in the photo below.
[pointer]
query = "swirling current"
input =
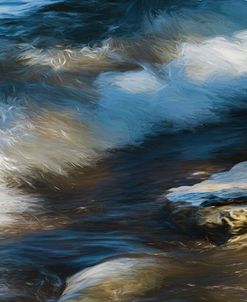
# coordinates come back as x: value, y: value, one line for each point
x: 123, y: 134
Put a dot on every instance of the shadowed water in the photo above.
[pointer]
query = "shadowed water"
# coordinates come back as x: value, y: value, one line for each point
x: 105, y: 108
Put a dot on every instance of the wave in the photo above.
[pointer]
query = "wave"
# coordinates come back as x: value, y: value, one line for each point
x: 65, y: 107
x: 205, y: 82
x: 21, y: 7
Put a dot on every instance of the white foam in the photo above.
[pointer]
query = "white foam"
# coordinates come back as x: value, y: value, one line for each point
x: 19, y: 7
x: 206, y: 19
x: 50, y: 142
x: 134, y: 82
x: 14, y: 204
x: 198, y: 87
x: 216, y: 59
x: 72, y: 59
x: 225, y: 185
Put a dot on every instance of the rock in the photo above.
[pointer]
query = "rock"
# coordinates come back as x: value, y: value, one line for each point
x: 216, y: 207
x: 121, y: 279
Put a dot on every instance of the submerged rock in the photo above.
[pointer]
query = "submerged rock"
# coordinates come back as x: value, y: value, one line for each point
x: 121, y: 279
x: 216, y: 206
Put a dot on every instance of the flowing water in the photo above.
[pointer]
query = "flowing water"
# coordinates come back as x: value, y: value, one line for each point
x: 107, y: 106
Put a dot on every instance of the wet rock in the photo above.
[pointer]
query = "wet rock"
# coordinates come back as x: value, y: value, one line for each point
x: 216, y: 207
x: 121, y: 279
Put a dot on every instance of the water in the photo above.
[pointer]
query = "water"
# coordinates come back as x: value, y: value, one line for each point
x: 105, y: 106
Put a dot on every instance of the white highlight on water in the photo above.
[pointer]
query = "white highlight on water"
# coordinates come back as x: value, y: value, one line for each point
x: 14, y: 205
x: 225, y: 185
x: 20, y: 7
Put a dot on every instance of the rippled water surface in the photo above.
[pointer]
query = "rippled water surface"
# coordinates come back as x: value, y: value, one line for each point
x: 105, y: 105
